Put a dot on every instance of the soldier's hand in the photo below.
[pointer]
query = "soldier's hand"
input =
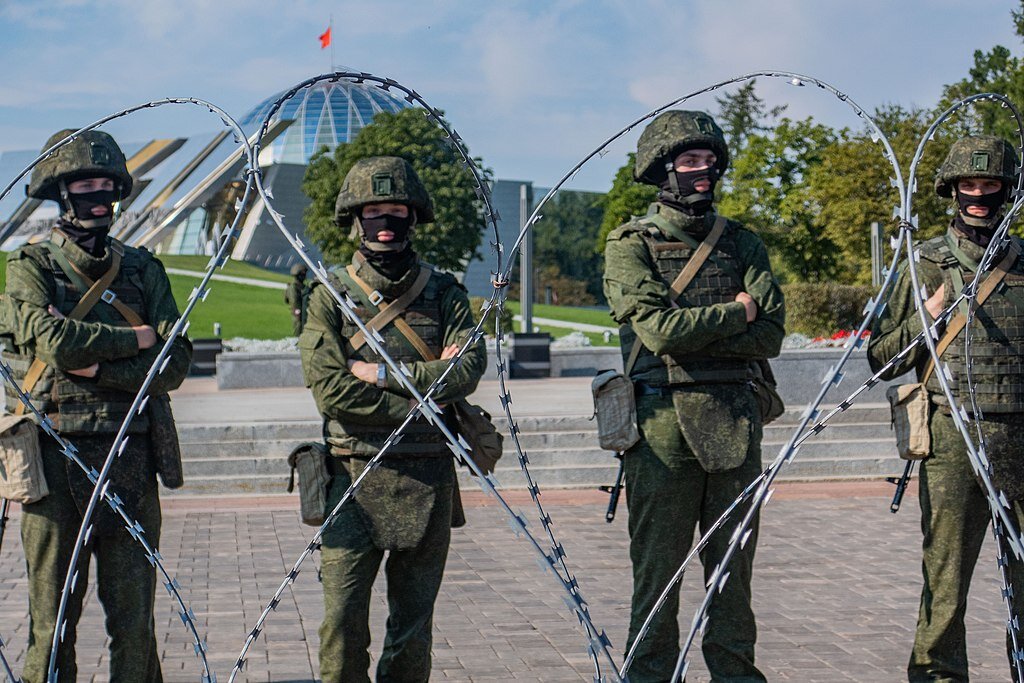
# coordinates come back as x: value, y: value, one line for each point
x: 450, y: 352
x: 749, y: 305
x: 363, y: 370
x: 86, y: 372
x: 145, y: 335
x: 52, y: 310
x: 934, y: 303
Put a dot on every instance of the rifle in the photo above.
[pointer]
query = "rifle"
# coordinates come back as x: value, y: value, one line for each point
x: 4, y: 507
x: 901, y: 486
x: 614, y: 490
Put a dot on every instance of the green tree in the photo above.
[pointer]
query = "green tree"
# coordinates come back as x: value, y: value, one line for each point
x: 564, y: 238
x: 851, y: 188
x: 625, y: 199
x: 768, y: 192
x: 451, y: 240
x: 995, y: 71
x: 743, y: 113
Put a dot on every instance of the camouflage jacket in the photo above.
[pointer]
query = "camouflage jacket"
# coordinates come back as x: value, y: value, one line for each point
x: 997, y: 336
x: 28, y: 330
x: 639, y: 297
x: 358, y: 415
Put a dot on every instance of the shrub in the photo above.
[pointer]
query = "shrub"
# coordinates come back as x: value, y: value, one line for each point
x: 818, y: 309
x: 477, y: 302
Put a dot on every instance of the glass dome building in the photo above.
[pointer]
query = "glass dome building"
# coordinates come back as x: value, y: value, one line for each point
x: 324, y: 115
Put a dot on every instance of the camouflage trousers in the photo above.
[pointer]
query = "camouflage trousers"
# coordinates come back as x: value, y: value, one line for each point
x: 125, y: 585
x: 955, y: 518
x: 351, y: 560
x: 669, y: 494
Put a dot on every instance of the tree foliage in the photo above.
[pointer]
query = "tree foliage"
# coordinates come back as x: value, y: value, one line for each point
x: 625, y: 199
x: 564, y: 240
x: 852, y: 187
x: 451, y: 240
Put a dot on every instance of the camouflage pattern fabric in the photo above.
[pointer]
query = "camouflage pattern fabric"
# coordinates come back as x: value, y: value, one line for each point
x: 405, y: 507
x: 701, y: 442
x: 954, y: 520
x: 125, y: 579
x: 954, y: 512
x: 981, y: 156
x: 91, y: 154
x: 669, y: 493
x: 670, y: 133
x: 126, y: 582
x: 382, y: 179
x: 295, y: 296
x: 351, y: 559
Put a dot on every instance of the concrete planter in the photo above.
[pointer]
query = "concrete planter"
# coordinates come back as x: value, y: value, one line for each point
x: 799, y: 373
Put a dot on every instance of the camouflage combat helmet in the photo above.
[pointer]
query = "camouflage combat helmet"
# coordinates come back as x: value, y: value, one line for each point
x: 981, y: 156
x: 299, y: 268
x: 670, y: 133
x: 382, y: 179
x: 92, y: 154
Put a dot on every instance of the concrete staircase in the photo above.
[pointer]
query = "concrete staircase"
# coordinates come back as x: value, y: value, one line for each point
x: 238, y: 458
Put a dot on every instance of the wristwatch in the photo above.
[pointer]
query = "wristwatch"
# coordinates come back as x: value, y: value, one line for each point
x: 382, y: 375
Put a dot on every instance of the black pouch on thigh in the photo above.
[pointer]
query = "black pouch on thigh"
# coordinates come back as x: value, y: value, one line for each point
x: 399, y: 498
x: 717, y: 421
x: 1005, y: 450
x: 131, y: 477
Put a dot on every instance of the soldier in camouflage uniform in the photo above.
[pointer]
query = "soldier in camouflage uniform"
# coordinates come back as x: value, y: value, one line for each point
x: 295, y: 297
x: 94, y: 367
x: 407, y: 506
x: 697, y: 411
x: 978, y: 173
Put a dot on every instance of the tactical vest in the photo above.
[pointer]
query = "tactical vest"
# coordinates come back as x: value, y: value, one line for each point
x: 997, y: 338
x: 718, y: 281
x: 76, y: 404
x: 424, y: 316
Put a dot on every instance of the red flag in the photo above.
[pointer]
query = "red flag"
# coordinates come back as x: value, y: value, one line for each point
x: 325, y: 38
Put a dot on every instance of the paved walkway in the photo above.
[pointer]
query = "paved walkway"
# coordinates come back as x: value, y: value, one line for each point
x: 836, y: 586
x: 252, y: 281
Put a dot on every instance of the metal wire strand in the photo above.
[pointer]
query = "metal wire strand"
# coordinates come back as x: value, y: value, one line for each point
x: 424, y: 404
x: 100, y: 490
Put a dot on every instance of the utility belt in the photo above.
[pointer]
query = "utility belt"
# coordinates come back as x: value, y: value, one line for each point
x: 641, y: 388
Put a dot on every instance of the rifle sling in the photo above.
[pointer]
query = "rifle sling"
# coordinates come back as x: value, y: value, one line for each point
x: 960, y: 320
x: 684, y: 279
x: 86, y: 303
x: 390, y: 312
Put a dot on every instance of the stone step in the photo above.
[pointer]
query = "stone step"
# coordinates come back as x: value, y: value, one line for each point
x: 252, y: 456
x: 837, y: 451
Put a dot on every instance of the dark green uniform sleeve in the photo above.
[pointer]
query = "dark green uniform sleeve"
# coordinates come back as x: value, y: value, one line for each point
x: 127, y: 374
x: 457, y: 324
x: 61, y: 343
x: 338, y: 393
x: 763, y: 337
x: 900, y: 323
x: 638, y: 297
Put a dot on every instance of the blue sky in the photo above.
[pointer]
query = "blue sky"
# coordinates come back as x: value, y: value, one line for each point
x: 531, y: 86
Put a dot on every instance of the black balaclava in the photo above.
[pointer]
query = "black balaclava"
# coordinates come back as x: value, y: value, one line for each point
x: 979, y: 230
x: 678, y: 191
x: 392, y: 259
x: 78, y: 222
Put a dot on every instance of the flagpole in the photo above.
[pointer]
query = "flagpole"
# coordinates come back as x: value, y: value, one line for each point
x: 330, y: 29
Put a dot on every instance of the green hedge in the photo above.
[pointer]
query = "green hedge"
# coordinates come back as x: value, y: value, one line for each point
x: 819, y: 309
x: 477, y: 302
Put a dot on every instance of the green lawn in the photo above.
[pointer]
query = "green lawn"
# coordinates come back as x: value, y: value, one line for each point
x: 567, y: 313
x: 242, y: 310
x: 235, y: 268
